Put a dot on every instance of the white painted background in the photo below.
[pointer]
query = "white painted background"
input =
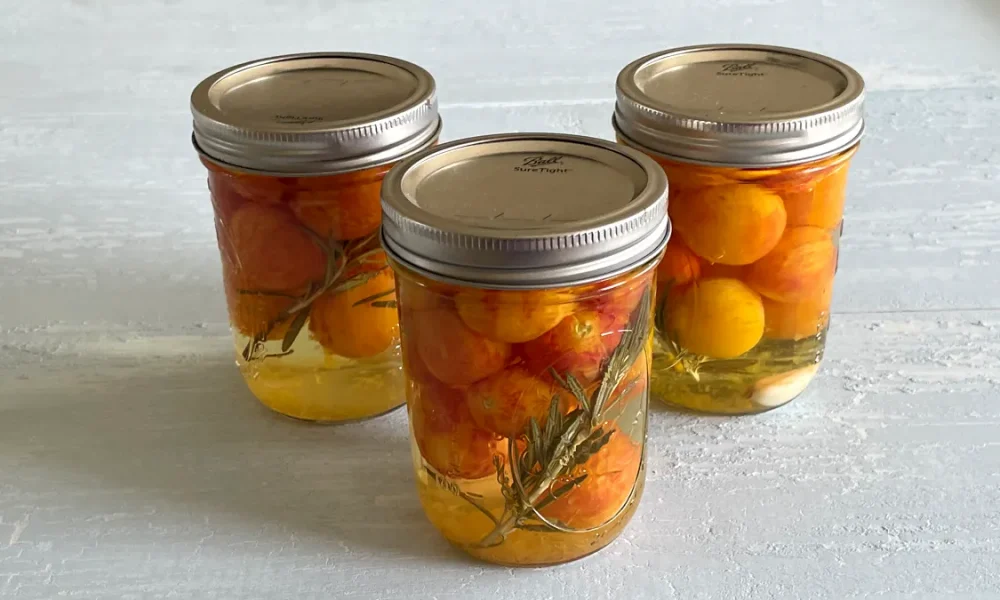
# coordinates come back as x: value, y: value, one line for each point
x: 133, y: 463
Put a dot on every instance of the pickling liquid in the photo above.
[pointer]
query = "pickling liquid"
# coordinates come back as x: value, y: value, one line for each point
x: 465, y: 526
x: 771, y: 374
x: 310, y: 384
x: 528, y: 413
x: 470, y: 512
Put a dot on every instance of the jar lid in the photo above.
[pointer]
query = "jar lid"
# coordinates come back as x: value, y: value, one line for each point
x: 315, y: 113
x: 740, y: 105
x: 525, y: 210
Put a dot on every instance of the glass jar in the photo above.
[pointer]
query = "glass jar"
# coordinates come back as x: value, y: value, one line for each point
x: 525, y: 269
x: 296, y: 148
x: 756, y: 143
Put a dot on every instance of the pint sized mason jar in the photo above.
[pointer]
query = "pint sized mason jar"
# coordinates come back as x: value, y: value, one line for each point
x: 296, y: 148
x: 525, y: 272
x: 756, y: 143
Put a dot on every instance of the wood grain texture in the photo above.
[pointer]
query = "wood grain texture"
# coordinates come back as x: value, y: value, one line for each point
x: 134, y: 464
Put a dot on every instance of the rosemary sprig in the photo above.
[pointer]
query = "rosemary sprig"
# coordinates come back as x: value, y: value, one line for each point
x: 566, y: 441
x: 339, y: 259
x: 683, y: 359
x: 452, y: 487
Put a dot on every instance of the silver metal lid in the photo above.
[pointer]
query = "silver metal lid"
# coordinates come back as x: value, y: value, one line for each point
x: 740, y: 105
x: 525, y: 210
x: 315, y: 113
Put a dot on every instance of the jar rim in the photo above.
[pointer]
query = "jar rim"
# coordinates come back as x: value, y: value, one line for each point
x: 631, y: 143
x: 390, y: 159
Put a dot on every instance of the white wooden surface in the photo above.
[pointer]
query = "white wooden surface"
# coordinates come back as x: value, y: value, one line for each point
x: 133, y: 463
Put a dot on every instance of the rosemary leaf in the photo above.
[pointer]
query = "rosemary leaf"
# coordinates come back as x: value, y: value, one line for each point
x: 594, y: 436
x: 248, y: 349
x: 535, y: 434
x: 561, y: 491
x: 357, y: 280
x: 256, y: 348
x: 578, y: 413
x: 558, y: 378
x: 590, y: 448
x: 360, y: 244
x: 336, y: 262
x: 317, y: 239
x: 384, y: 304
x: 552, y: 424
x: 369, y: 256
x: 294, y: 329
x: 576, y: 388
x: 570, y: 433
x: 554, y: 413
x: 368, y: 299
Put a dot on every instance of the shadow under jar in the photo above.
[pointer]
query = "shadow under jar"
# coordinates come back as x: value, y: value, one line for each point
x: 296, y: 148
x: 756, y: 143
x: 525, y: 270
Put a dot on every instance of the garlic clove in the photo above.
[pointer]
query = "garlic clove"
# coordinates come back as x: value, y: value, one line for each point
x: 775, y: 390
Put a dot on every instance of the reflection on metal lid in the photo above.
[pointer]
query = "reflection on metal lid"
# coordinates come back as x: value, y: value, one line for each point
x: 315, y: 113
x: 525, y: 210
x: 740, y: 105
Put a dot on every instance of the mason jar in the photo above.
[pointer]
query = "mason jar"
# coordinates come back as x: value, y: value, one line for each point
x: 296, y: 148
x: 756, y: 142
x: 525, y: 270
